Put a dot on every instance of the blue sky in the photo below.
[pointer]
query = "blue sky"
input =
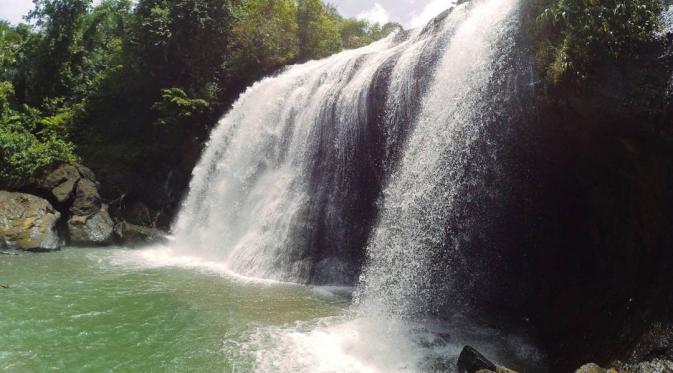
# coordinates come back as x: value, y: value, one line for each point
x: 410, y: 13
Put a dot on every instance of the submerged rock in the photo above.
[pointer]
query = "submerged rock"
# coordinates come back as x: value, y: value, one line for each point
x: 131, y: 234
x: 96, y: 229
x: 27, y: 222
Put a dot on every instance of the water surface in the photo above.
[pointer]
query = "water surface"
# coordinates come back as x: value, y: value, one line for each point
x: 116, y: 310
x: 101, y: 310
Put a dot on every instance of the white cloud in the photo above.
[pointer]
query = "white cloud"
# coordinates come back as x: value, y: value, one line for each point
x: 377, y: 14
x: 430, y: 11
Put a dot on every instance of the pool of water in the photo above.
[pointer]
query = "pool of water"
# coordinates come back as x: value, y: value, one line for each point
x: 154, y: 310
x: 106, y: 310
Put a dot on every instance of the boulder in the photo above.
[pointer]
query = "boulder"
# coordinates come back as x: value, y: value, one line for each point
x: 655, y: 341
x: 96, y: 229
x: 87, y: 200
x: 86, y: 172
x: 139, y: 214
x: 61, y: 182
x: 27, y: 223
x: 590, y: 368
x: 131, y: 234
x: 654, y: 366
x: 471, y: 361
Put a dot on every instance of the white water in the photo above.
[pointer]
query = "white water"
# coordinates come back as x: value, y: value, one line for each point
x: 420, y: 197
x: 252, y: 186
x: 251, y: 189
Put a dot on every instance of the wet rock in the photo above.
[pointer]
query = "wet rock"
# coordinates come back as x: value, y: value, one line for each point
x: 61, y: 182
x: 590, y: 368
x: 139, y: 214
x: 654, y: 366
x: 86, y: 172
x: 27, y: 223
x: 503, y: 370
x: 131, y: 234
x: 96, y: 229
x: 87, y: 200
x: 655, y: 342
x: 471, y: 361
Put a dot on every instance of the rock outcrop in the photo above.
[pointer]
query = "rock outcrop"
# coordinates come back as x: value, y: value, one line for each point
x: 64, y: 200
x: 61, y: 182
x: 94, y: 229
x: 87, y: 200
x: 472, y: 361
x: 652, y: 366
x: 132, y: 235
x: 27, y: 222
x: 75, y: 190
x: 590, y: 368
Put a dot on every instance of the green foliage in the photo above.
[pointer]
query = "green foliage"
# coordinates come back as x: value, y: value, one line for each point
x: 356, y: 33
x: 58, y: 56
x: 27, y: 144
x: 176, y: 106
x: 318, y: 30
x: 263, y: 37
x: 133, y: 83
x: 572, y: 35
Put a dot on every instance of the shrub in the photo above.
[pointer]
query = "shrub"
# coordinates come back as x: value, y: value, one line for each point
x: 26, y: 146
x: 574, y: 34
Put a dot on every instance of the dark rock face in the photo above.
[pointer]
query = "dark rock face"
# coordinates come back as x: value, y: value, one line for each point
x: 94, y: 229
x: 87, y: 200
x: 655, y: 342
x: 27, y: 223
x: 74, y: 192
x: 159, y: 189
x: 604, y: 194
x: 61, y: 182
x: 133, y: 235
x: 567, y: 231
x: 138, y: 213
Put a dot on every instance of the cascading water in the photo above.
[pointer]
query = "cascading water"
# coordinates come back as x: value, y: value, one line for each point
x: 365, y: 149
x: 421, y: 196
x: 288, y: 186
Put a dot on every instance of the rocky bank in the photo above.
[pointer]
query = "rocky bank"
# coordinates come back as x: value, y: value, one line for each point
x: 63, y: 206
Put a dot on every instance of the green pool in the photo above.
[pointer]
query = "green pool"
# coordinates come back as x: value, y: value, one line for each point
x: 108, y: 310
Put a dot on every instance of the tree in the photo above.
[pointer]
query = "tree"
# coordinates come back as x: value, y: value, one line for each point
x: 26, y: 145
x: 58, y: 56
x: 318, y: 30
x: 574, y: 34
x: 264, y: 38
x: 356, y: 33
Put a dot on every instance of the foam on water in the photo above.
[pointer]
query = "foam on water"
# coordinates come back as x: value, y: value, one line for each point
x: 167, y: 256
x: 358, y: 344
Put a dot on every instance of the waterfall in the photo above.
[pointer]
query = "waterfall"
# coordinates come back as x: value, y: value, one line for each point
x: 354, y: 168
x: 294, y: 177
x: 288, y: 186
x: 422, y: 194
